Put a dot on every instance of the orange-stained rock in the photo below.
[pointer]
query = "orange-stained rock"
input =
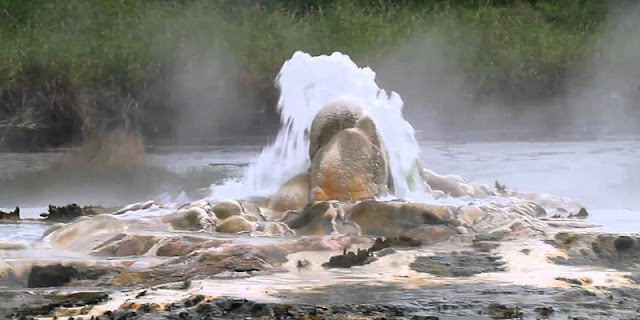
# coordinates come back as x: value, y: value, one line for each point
x: 348, y: 161
x: 349, y: 167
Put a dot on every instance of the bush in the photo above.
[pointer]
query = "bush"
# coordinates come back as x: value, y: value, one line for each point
x: 92, y: 60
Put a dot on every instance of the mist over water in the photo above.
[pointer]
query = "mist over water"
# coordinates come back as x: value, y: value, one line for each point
x: 608, y: 101
x: 599, y: 95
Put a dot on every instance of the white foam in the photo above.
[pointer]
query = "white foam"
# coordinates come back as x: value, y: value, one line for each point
x: 306, y: 84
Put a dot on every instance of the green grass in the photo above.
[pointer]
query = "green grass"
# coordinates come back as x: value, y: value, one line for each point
x: 123, y: 47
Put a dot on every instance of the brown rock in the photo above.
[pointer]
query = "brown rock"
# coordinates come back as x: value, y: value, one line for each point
x: 293, y: 194
x: 235, y: 224
x: 453, y: 185
x: 334, y: 117
x: 348, y: 161
x: 126, y: 245
x: 192, y: 219
x: 176, y: 246
x: 393, y: 219
x: 470, y: 214
x: 226, y: 209
x: 315, y: 219
x: 429, y: 235
x: 182, y: 246
x: 273, y: 228
x: 349, y: 167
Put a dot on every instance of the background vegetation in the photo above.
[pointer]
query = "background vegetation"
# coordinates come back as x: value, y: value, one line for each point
x: 71, y: 68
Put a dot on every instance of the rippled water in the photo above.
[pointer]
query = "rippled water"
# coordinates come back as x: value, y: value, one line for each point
x: 604, y: 175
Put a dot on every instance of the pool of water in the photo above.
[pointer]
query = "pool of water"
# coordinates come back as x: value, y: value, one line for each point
x: 604, y: 175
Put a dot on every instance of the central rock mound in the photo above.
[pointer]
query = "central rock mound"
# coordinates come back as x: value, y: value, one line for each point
x: 347, y: 157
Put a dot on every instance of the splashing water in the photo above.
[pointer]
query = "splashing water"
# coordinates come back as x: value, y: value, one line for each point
x: 306, y: 84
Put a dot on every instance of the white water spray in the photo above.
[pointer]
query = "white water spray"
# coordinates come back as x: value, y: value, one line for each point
x: 306, y: 84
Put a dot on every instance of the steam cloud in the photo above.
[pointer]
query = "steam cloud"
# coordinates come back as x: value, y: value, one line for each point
x: 211, y: 99
x: 441, y: 104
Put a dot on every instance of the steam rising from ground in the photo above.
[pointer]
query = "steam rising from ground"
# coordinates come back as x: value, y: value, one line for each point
x: 609, y: 102
x: 211, y: 98
x: 599, y: 97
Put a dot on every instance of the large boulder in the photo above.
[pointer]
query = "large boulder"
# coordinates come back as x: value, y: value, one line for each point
x: 227, y: 208
x: 347, y: 157
x: 314, y: 220
x: 293, y: 194
x: 394, y: 219
x: 55, y: 275
x: 334, y: 117
x: 192, y: 219
x: 235, y: 224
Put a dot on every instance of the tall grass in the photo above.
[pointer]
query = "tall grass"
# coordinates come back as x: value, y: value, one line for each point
x: 119, y: 51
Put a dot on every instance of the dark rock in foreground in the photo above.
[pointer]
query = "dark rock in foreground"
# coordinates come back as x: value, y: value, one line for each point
x: 73, y: 300
x: 458, y: 264
x: 610, y: 250
x: 500, y: 311
x: 51, y: 276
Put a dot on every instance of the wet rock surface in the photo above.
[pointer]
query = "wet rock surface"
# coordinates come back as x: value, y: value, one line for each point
x: 236, y: 224
x: 388, y: 301
x: 346, y: 153
x: 315, y: 219
x: 47, y: 304
x: 458, y: 264
x: 350, y: 259
x: 454, y: 186
x: 293, y: 194
x: 394, y: 219
x: 617, y: 251
x: 191, y: 219
x: 500, y: 311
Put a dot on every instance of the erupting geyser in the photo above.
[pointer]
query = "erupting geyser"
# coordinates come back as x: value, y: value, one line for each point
x: 307, y: 84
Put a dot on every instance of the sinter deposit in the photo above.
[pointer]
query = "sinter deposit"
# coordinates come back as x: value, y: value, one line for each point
x: 339, y: 203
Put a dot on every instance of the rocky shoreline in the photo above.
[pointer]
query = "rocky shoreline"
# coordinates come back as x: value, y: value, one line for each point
x: 330, y: 243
